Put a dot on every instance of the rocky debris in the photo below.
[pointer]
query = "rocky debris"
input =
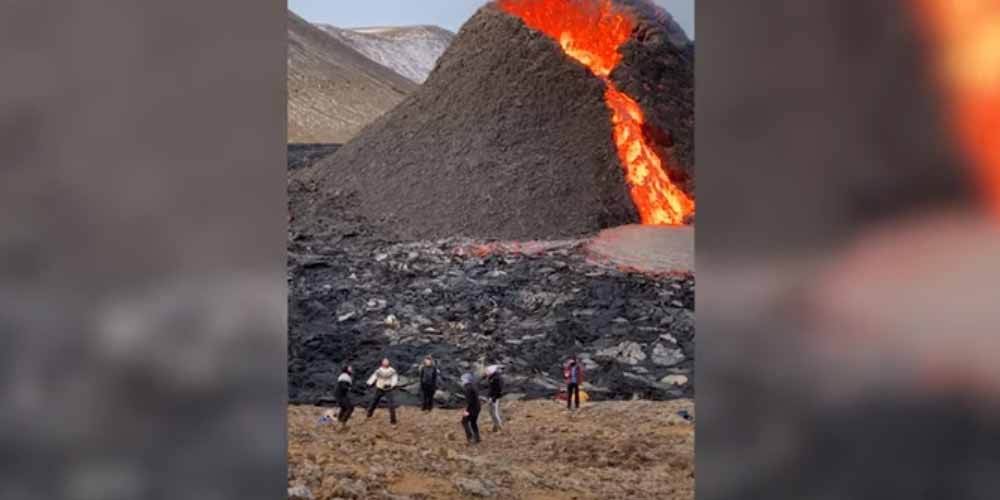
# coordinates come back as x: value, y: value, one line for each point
x: 351, y: 488
x: 300, y: 492
x: 508, y: 138
x: 641, y: 450
x: 667, y: 356
x: 358, y: 302
x: 630, y: 353
x: 476, y: 487
x: 305, y: 155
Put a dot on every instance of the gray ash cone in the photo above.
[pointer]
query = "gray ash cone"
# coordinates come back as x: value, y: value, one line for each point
x: 508, y: 138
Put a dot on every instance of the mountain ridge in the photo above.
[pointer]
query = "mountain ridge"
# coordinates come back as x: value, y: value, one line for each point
x: 411, y: 51
x: 333, y: 90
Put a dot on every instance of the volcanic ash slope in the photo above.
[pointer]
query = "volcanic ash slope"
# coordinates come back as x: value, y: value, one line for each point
x: 508, y: 138
x: 333, y: 90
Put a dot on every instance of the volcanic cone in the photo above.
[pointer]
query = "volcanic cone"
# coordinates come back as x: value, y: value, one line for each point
x: 514, y: 137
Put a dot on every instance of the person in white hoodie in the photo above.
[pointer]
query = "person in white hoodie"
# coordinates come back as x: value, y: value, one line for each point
x: 384, y: 379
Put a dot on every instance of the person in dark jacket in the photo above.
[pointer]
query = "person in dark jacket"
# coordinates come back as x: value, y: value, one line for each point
x: 470, y: 419
x: 343, y: 395
x: 573, y: 373
x: 428, y: 383
x: 494, y: 383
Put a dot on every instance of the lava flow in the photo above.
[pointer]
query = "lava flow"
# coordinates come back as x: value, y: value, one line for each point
x: 966, y: 43
x: 591, y: 31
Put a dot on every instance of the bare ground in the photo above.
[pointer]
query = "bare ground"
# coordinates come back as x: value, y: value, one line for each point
x: 606, y: 450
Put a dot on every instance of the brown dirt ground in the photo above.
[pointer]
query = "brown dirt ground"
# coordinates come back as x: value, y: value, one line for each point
x: 634, y: 449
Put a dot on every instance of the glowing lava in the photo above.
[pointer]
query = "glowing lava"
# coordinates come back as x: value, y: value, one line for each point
x: 591, y: 31
x: 658, y: 200
x: 966, y: 36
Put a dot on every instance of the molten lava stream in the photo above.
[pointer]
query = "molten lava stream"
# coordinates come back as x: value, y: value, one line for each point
x: 657, y: 199
x: 966, y: 43
x: 591, y: 31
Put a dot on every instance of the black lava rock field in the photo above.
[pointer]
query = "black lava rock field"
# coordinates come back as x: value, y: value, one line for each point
x: 362, y: 301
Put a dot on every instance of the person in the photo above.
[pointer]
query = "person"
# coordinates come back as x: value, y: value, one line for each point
x: 428, y: 383
x: 470, y: 419
x: 343, y: 395
x: 573, y: 373
x: 384, y: 379
x: 495, y: 392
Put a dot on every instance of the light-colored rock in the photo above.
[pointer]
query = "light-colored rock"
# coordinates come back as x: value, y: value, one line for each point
x: 669, y: 338
x: 300, y: 492
x: 666, y: 356
x: 627, y: 352
x: 675, y: 380
x: 476, y: 487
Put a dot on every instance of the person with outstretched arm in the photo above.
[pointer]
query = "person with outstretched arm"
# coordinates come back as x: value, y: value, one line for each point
x: 470, y: 419
x: 573, y: 373
x: 495, y: 392
x: 343, y: 395
x: 384, y: 379
x: 428, y: 383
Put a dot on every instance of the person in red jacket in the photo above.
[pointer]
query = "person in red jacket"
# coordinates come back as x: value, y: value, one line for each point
x: 573, y: 372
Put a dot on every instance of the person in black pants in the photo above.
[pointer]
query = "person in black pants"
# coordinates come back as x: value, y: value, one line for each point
x: 343, y: 395
x: 574, y: 377
x: 470, y: 420
x: 428, y: 383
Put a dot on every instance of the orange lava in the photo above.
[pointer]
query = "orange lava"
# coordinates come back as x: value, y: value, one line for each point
x: 966, y: 36
x: 590, y: 31
x: 657, y: 199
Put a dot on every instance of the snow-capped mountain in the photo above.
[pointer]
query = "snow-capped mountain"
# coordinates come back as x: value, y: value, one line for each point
x: 410, y: 51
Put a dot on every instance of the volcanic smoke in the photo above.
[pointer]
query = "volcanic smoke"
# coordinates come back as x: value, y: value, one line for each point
x: 591, y: 31
x: 966, y: 39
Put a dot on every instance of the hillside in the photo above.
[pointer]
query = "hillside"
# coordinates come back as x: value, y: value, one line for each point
x: 411, y: 51
x: 511, y: 138
x: 333, y: 90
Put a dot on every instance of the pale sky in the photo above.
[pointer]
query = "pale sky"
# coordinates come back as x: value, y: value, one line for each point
x: 448, y: 14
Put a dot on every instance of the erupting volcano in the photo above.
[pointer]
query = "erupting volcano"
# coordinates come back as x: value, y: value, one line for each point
x: 591, y: 32
x: 966, y: 36
x: 542, y: 120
